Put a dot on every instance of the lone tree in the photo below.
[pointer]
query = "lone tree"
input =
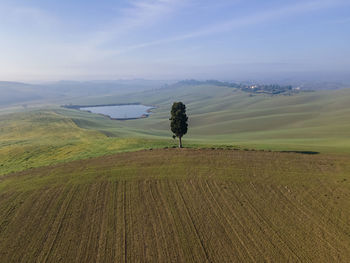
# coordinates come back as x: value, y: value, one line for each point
x: 178, y: 121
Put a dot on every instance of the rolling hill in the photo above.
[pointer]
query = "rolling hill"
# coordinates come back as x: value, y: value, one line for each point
x: 223, y: 115
x: 80, y: 187
x: 219, y: 116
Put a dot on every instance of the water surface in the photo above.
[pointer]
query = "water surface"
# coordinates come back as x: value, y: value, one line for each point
x: 121, y: 111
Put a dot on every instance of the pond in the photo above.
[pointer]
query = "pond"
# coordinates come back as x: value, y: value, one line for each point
x: 121, y: 112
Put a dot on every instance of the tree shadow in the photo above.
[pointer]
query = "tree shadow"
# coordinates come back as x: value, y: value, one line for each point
x: 302, y: 152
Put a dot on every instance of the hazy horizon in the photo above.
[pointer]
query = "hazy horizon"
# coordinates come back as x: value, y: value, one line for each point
x: 175, y: 39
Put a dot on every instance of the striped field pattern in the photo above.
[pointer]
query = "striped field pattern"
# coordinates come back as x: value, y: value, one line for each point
x: 179, y: 206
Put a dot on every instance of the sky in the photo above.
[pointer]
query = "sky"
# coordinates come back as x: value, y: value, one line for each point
x: 44, y: 40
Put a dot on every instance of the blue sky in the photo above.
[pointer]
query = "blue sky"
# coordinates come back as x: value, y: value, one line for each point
x: 172, y: 39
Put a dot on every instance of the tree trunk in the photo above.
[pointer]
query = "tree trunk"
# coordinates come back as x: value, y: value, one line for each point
x: 180, y: 142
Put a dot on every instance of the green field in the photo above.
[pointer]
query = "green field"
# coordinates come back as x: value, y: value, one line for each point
x: 41, y: 138
x: 79, y: 187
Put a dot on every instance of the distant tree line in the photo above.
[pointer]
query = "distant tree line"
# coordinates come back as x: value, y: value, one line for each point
x: 273, y: 89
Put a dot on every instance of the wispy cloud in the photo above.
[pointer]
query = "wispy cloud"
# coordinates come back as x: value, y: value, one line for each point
x: 38, y: 38
x: 140, y: 13
x: 249, y: 20
x: 137, y: 15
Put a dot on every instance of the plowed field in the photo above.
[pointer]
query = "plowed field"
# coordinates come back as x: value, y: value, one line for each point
x: 179, y: 206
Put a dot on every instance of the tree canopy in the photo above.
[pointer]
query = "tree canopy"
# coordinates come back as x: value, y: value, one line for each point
x: 179, y: 120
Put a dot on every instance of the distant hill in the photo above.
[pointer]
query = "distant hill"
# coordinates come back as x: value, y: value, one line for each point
x: 14, y: 93
x: 103, y: 87
x: 193, y: 82
x: 65, y: 92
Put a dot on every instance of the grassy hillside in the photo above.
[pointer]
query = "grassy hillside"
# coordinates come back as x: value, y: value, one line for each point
x: 318, y: 121
x: 179, y: 206
x: 42, y: 137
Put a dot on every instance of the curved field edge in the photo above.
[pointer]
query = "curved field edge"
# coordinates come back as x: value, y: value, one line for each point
x: 179, y: 206
x: 43, y: 137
